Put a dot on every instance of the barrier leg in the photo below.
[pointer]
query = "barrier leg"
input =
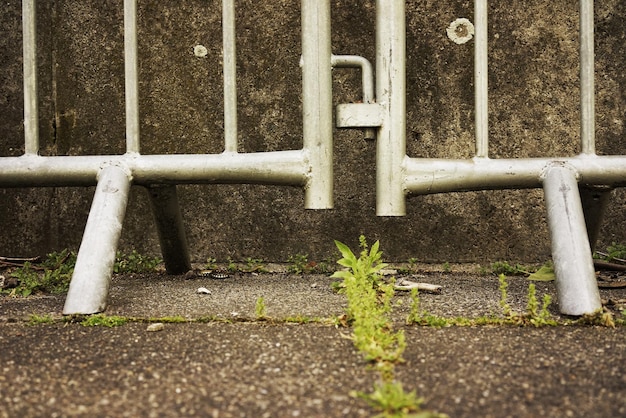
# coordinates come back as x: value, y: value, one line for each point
x: 595, y: 199
x: 89, y: 287
x: 573, y: 263
x: 169, y: 222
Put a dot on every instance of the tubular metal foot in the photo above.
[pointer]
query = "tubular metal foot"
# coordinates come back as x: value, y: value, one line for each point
x: 595, y: 200
x: 169, y: 222
x: 576, y: 284
x: 89, y: 287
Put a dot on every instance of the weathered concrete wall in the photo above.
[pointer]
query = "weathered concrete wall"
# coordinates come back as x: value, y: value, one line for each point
x: 533, y: 112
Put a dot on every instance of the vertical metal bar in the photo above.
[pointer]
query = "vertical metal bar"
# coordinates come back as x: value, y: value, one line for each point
x: 29, y: 41
x: 130, y: 74
x: 317, y: 109
x: 587, y: 95
x: 89, y: 287
x: 230, y: 75
x: 571, y: 253
x: 169, y: 222
x: 390, y: 94
x: 480, y: 79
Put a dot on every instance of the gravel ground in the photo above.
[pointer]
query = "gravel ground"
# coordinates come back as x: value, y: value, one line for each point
x: 257, y: 369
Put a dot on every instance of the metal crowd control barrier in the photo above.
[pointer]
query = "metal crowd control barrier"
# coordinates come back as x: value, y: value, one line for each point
x: 309, y: 168
x: 382, y: 114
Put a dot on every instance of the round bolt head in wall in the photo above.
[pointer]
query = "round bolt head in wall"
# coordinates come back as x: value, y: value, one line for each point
x: 460, y: 31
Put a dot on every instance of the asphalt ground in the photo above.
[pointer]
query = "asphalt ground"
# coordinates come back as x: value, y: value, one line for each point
x: 227, y: 363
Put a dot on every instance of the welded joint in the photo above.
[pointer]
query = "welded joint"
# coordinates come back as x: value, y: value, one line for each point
x: 559, y: 164
x: 404, y: 170
x: 117, y: 164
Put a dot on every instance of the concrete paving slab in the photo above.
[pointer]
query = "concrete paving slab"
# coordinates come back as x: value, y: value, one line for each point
x: 257, y: 369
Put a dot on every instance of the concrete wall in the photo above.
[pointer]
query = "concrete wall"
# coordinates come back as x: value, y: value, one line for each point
x: 533, y: 112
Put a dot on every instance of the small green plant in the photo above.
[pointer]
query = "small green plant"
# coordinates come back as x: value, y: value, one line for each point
x: 53, y: 275
x: 211, y: 264
x: 614, y: 252
x: 414, y: 313
x: 232, y: 266
x: 301, y: 319
x: 135, y: 263
x: 533, y: 315
x: 390, y: 399
x: 298, y: 264
x: 544, y: 274
x: 260, y: 308
x: 254, y: 265
x: 504, y: 285
x: 410, y: 267
x: 101, y: 320
x: 600, y: 317
x: 446, y: 267
x: 35, y: 319
x: 177, y: 319
x: 503, y: 267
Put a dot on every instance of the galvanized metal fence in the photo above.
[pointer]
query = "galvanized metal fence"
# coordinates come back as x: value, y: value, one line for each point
x: 576, y: 188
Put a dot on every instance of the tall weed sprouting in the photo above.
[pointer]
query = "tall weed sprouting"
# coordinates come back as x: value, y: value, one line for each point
x: 369, y: 306
x: 369, y: 303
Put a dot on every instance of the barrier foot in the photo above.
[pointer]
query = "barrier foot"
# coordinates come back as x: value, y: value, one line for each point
x: 595, y: 200
x: 169, y: 222
x: 577, y: 289
x: 90, y: 282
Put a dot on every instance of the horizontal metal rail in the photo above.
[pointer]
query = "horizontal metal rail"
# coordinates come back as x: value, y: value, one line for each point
x: 279, y: 167
x: 426, y: 176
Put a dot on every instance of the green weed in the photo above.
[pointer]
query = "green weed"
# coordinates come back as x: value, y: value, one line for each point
x: 600, y: 317
x: 35, y: 319
x: 302, y: 319
x: 503, y: 267
x: 254, y: 265
x: 53, y: 275
x: 232, y: 265
x: 211, y: 264
x: 533, y: 315
x: 260, y: 309
x: 504, y: 285
x: 369, y: 307
x: 101, y: 320
x: 298, y: 264
x: 544, y: 274
x: 135, y: 263
x: 177, y: 319
x: 391, y: 400
x: 614, y: 252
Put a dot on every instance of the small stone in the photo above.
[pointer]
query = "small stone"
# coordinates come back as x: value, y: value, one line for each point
x: 157, y: 326
x: 203, y: 291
